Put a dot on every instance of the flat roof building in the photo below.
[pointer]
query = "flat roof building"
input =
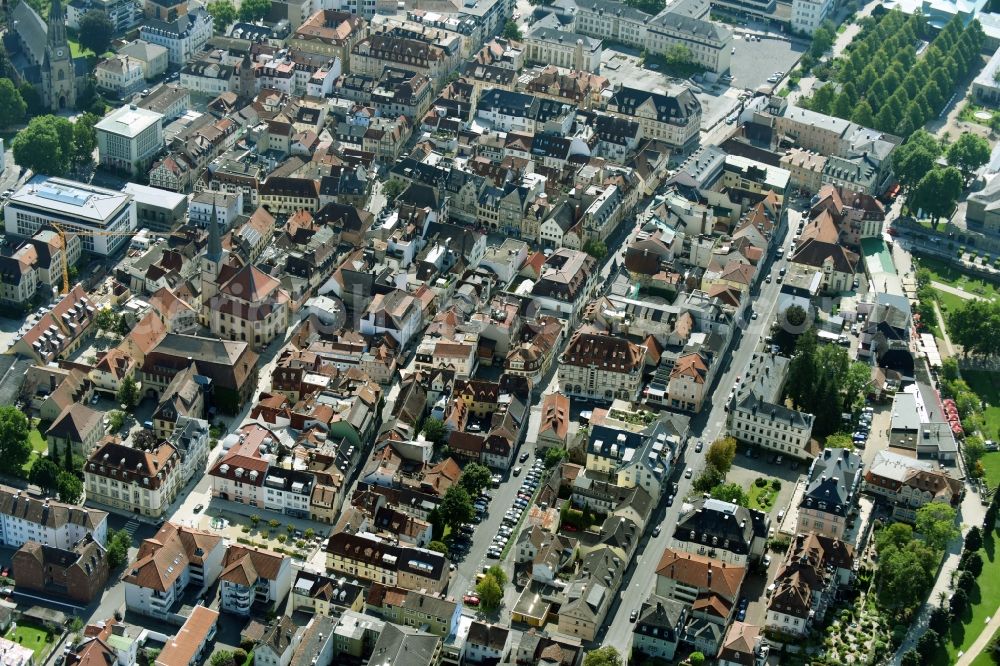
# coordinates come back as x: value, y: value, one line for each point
x: 76, y: 207
x: 129, y: 138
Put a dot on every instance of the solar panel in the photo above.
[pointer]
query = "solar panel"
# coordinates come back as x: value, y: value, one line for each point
x: 62, y: 196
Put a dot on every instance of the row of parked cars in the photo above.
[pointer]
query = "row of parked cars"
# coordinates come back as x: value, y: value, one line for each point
x: 864, y: 427
x: 513, y: 515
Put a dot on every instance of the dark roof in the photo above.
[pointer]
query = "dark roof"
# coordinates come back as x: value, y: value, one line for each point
x: 833, y: 481
x: 718, y: 524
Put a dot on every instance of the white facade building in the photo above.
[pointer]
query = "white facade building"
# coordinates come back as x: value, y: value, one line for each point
x: 129, y: 138
x: 74, y: 206
x: 807, y: 15
x: 50, y: 523
x: 182, y: 38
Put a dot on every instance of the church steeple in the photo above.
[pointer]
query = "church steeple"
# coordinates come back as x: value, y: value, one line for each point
x: 214, y: 252
x: 57, y: 25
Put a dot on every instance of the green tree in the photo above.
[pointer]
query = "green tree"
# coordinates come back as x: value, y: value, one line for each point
x: 222, y: 658
x: 32, y: 98
x: 438, y: 546
x: 863, y: 114
x: 975, y: 449
x: 731, y: 492
x: 15, y: 448
x: 119, y: 541
x: 968, y: 153
x: 128, y: 392
x: 822, y: 40
x: 85, y: 138
x: 839, y: 440
x: 915, y: 158
x: 45, y: 474
x: 96, y: 31
x: 855, y: 384
x: 802, y: 375
x: 456, y: 507
x: 596, y: 248
x: 490, y: 593
x: 842, y: 107
x: 937, y: 192
x: 709, y: 478
x: 44, y: 146
x: 254, y: 10
x: 603, y: 656
x: 105, y: 319
x: 928, y: 644
x: 475, y: 478
x: 936, y: 524
x: 972, y: 562
x: 223, y: 14
x: 393, y: 189
x: 909, y: 658
x: 940, y: 620
x: 146, y: 440
x: 823, y: 98
x: 68, y: 458
x: 498, y: 574
x: 70, y: 488
x: 116, y: 419
x: 974, y: 539
x: 254, y: 520
x: 435, y: 431
x: 12, y: 106
x: 553, y: 456
x: 697, y: 659
x: 721, y: 453
x: 511, y: 31
x: 959, y: 602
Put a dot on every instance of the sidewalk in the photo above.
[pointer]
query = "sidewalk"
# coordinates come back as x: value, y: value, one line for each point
x: 949, y: 348
x: 955, y: 291
x: 981, y: 643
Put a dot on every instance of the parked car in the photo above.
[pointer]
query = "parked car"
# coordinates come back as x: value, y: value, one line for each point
x: 634, y: 615
x: 523, y: 458
x: 688, y: 473
x: 656, y: 531
x: 670, y: 500
x: 517, y: 471
x: 698, y: 447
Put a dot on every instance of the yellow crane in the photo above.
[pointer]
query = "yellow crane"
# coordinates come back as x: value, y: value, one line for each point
x: 65, y: 251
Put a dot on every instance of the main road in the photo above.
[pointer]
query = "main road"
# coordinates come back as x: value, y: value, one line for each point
x: 707, y: 426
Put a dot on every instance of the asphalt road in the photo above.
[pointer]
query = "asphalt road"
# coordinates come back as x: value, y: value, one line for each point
x: 640, y: 578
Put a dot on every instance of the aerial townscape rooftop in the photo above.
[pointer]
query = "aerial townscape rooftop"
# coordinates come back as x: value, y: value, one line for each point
x: 569, y: 333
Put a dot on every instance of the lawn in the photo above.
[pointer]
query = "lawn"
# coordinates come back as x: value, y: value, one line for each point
x: 991, y: 463
x: 32, y: 637
x: 762, y: 497
x: 947, y: 273
x: 984, y: 600
x: 984, y: 383
x: 948, y: 302
x: 38, y: 444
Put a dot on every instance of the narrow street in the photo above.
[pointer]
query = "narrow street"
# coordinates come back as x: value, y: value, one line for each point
x: 707, y: 426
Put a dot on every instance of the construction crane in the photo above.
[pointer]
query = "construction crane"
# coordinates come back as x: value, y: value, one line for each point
x: 65, y: 251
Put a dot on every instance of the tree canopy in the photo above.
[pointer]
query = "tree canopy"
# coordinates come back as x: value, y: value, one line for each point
x: 15, y: 447
x: 915, y: 158
x: 975, y: 325
x: 223, y: 14
x: 721, y: 453
x: 456, y: 507
x: 12, y: 106
x: 475, y: 478
x: 96, y: 31
x: 603, y: 656
x: 936, y: 524
x: 937, y: 193
x: 969, y: 152
x: 511, y: 31
x: 119, y: 541
x: 70, y: 488
x: 254, y: 10
x: 731, y: 492
x: 44, y: 473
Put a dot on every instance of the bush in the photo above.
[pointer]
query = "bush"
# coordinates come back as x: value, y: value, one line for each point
x: 760, y: 482
x: 776, y: 485
x: 282, y: 538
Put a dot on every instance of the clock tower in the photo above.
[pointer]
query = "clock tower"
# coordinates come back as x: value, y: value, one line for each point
x: 58, y: 73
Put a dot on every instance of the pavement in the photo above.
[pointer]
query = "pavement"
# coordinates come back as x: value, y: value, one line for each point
x: 949, y: 348
x: 955, y: 291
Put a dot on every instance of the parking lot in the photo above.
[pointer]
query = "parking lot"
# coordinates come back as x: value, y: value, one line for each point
x: 753, y: 62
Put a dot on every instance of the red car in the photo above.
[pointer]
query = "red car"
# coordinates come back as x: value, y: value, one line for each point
x: 471, y: 600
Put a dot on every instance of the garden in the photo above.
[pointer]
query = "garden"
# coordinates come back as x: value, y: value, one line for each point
x: 763, y: 493
x: 37, y: 638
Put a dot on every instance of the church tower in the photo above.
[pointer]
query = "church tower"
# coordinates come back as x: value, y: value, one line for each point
x: 58, y: 73
x: 247, y: 83
x: 211, y: 265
